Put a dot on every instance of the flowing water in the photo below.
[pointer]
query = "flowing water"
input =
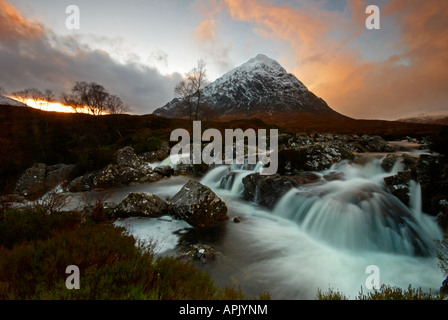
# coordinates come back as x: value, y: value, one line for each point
x: 320, y: 236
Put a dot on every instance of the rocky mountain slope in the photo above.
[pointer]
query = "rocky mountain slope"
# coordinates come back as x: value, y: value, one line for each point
x: 259, y: 88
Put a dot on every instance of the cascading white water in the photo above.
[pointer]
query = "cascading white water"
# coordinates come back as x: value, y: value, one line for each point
x: 230, y: 177
x: 357, y: 214
x: 319, y: 236
x: 354, y: 213
x: 326, y: 234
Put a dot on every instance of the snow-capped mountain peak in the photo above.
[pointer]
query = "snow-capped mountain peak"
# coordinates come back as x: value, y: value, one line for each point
x: 261, y: 85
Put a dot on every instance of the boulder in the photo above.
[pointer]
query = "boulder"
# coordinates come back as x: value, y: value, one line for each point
x: 57, y: 174
x: 165, y: 171
x: 267, y: 190
x: 199, y: 206
x: 199, y: 252
x: 160, y: 154
x: 83, y: 183
x: 41, y: 178
x: 321, y: 157
x: 376, y: 144
x: 398, y: 185
x: 141, y: 205
x: 316, y: 157
x: 32, y: 182
x: 444, y: 288
x: 127, y: 168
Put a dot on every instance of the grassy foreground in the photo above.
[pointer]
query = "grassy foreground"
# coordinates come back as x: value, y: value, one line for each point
x: 36, y: 248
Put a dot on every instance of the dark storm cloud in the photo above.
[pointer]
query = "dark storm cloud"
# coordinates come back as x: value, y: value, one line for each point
x: 33, y: 56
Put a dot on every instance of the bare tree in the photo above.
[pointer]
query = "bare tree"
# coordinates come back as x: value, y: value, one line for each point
x: 189, y: 90
x: 21, y: 96
x: 94, y: 98
x: 2, y: 91
x: 114, y: 105
x: 40, y: 98
x: 70, y: 100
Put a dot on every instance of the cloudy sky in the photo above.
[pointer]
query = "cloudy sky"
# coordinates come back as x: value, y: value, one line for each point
x: 139, y: 49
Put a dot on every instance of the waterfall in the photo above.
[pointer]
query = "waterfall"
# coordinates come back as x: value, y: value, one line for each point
x: 355, y: 213
x: 230, y: 177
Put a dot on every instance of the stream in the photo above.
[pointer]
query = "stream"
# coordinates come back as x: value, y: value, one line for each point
x: 319, y: 236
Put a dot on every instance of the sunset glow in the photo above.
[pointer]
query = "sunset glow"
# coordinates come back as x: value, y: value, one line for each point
x: 51, y: 106
x: 325, y: 44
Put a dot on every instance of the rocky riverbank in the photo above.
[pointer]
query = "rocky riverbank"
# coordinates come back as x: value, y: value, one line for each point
x: 302, y: 160
x: 301, y: 157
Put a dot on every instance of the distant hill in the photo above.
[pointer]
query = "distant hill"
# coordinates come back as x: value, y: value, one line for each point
x: 10, y: 102
x: 30, y: 135
x: 441, y: 118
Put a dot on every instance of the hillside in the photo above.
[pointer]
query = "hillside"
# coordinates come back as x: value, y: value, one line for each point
x: 29, y: 135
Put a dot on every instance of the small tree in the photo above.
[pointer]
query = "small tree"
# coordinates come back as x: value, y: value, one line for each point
x: 40, y: 98
x: 189, y: 90
x: 94, y: 98
x: 2, y: 91
x: 114, y: 105
x: 21, y: 96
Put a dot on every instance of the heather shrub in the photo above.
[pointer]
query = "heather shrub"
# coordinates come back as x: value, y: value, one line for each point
x: 112, y: 264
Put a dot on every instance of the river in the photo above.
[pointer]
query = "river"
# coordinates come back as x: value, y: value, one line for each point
x: 320, y: 236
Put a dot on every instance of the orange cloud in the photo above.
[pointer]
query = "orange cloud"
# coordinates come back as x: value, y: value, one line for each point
x: 206, y: 31
x: 13, y: 24
x: 339, y: 74
x: 207, y: 38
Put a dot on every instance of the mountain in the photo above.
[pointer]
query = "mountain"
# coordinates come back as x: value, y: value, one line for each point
x: 259, y: 88
x: 438, y: 118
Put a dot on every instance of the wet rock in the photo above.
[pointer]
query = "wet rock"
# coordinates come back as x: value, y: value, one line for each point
x: 408, y: 162
x: 183, y: 170
x: 334, y: 176
x: 444, y: 288
x: 228, y: 180
x: 267, y: 190
x: 398, y: 185
x: 199, y: 206
x: 389, y: 162
x: 432, y: 174
x: 141, y: 205
x: 237, y: 219
x: 199, y: 252
x: 165, y: 171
